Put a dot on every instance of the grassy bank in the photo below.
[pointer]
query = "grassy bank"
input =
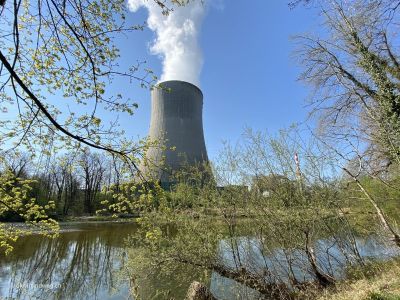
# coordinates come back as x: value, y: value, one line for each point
x: 382, y: 282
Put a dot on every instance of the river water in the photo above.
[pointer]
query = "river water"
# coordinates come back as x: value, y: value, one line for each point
x: 87, y: 261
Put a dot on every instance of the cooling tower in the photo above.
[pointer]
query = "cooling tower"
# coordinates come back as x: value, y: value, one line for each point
x: 176, y: 119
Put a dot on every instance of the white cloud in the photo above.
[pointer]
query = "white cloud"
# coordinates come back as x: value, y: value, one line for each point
x: 176, y: 38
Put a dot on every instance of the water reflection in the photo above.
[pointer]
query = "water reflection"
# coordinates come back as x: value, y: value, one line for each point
x: 282, y: 265
x: 88, y: 261
x: 82, y: 263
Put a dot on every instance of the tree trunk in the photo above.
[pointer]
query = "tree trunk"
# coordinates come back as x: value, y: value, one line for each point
x: 323, y: 279
x: 382, y: 218
x: 198, y: 291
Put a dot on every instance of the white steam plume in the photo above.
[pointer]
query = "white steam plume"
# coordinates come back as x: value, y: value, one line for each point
x: 177, y: 38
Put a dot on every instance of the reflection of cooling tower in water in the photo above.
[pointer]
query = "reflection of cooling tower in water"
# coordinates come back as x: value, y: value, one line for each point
x: 176, y: 119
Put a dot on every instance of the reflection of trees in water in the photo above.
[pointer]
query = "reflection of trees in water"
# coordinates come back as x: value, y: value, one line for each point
x: 76, y: 265
x: 89, y: 263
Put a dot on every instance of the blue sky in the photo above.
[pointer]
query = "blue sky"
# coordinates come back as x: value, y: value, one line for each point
x: 249, y: 77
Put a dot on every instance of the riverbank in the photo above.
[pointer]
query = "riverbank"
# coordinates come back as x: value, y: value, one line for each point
x: 66, y: 224
x: 98, y: 218
x: 379, y: 281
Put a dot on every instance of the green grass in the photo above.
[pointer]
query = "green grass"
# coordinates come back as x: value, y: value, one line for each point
x: 380, y: 282
x: 383, y: 296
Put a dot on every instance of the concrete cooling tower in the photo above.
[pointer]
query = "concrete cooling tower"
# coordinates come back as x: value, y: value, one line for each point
x: 176, y: 119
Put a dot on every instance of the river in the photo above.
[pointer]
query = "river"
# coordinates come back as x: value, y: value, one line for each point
x: 87, y: 261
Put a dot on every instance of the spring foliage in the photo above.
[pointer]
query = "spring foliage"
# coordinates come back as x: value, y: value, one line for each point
x: 15, y: 199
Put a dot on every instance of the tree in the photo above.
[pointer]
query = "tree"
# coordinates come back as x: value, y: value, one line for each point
x: 355, y: 72
x: 260, y: 242
x: 66, y: 183
x: 57, y: 60
x: 56, y: 52
x: 14, y: 198
x: 93, y: 174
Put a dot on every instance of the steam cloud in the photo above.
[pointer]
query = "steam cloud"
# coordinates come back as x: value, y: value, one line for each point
x: 177, y: 38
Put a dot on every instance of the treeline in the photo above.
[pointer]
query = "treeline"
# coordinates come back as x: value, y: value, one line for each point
x: 76, y: 182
